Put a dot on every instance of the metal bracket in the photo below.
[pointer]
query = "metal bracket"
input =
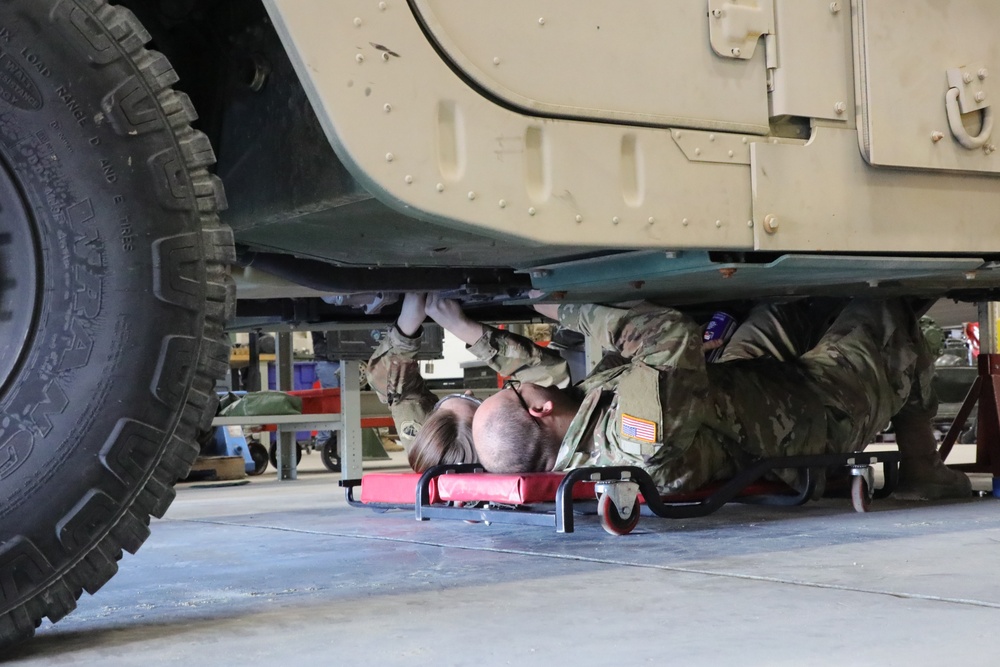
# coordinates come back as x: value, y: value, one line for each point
x: 735, y: 26
x: 623, y: 494
x: 865, y: 471
x: 722, y: 147
x: 970, y: 81
x: 967, y: 94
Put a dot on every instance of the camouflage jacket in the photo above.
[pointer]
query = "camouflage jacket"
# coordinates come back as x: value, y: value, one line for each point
x: 687, y: 422
x: 394, y: 373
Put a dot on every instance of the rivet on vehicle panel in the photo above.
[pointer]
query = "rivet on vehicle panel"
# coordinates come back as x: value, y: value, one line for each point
x: 531, y: 211
x: 360, y: 58
x: 770, y: 223
x: 980, y: 96
x: 541, y: 21
x: 749, y: 223
x: 389, y: 157
x: 684, y: 222
x: 385, y: 57
x: 678, y: 134
x: 408, y: 179
x: 579, y: 218
x: 839, y: 108
x: 967, y: 77
x: 651, y: 220
x: 937, y: 136
x: 697, y: 151
x: 440, y: 187
x: 382, y: 6
x: 615, y: 220
x: 718, y: 223
x: 731, y: 154
x: 746, y: 140
x: 496, y: 61
x: 737, y: 52
x: 472, y: 195
x: 503, y: 203
x: 387, y: 108
x: 711, y: 137
x: 990, y: 148
x: 983, y: 73
x: 717, y: 13
x: 357, y: 21
x: 834, y: 7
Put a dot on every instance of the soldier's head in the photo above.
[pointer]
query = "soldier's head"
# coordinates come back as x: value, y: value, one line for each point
x: 521, y: 428
x: 446, y: 435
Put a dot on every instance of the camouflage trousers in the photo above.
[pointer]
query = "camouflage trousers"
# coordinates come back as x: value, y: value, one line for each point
x: 869, y: 366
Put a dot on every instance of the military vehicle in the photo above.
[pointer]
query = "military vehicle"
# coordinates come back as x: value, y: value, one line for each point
x: 694, y: 153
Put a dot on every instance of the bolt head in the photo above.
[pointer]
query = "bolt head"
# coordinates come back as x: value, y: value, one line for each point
x: 770, y: 223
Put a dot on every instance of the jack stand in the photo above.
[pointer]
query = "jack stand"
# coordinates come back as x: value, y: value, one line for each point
x: 985, y: 390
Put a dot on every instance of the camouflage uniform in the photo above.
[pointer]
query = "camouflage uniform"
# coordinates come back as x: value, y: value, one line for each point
x: 688, y: 423
x: 394, y: 372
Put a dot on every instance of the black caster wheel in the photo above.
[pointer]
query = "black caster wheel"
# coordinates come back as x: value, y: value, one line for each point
x: 612, y: 521
x: 258, y: 453
x: 331, y: 455
x: 861, y: 494
x: 273, y: 454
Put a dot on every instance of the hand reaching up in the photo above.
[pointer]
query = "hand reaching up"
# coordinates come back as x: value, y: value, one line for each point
x: 413, y: 313
x: 448, y: 313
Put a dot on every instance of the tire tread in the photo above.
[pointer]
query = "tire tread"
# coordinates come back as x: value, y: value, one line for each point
x: 152, y: 497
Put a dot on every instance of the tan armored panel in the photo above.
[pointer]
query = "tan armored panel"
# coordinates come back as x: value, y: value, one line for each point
x: 690, y: 124
x: 926, y: 85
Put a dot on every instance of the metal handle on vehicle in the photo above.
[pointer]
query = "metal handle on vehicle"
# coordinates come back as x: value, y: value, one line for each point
x: 959, y: 131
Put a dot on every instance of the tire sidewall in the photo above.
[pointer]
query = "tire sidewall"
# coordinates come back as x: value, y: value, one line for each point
x: 102, y: 211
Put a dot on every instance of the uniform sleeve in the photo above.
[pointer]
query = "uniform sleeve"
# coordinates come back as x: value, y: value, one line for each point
x: 394, y: 375
x: 659, y: 337
x: 510, y: 354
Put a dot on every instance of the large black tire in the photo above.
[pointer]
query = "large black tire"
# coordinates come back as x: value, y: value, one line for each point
x: 113, y: 296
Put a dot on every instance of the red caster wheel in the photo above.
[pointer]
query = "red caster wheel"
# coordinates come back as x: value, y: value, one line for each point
x: 612, y: 521
x: 861, y: 494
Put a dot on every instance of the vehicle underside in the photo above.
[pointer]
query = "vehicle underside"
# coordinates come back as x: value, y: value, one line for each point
x: 319, y: 243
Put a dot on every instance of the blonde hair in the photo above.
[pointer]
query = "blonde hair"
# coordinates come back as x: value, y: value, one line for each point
x: 444, y: 438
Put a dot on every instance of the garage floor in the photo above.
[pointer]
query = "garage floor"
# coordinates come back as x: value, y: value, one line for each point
x: 287, y: 573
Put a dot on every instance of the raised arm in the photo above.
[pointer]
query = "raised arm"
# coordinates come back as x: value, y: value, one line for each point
x: 394, y: 372
x: 659, y: 337
x: 505, y: 352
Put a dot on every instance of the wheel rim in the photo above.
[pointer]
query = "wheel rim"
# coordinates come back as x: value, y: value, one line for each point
x: 18, y: 276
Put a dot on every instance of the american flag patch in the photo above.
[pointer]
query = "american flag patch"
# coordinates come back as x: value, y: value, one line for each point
x: 638, y: 429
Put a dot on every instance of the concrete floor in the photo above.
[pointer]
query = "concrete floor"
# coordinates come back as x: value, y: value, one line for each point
x: 286, y: 573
